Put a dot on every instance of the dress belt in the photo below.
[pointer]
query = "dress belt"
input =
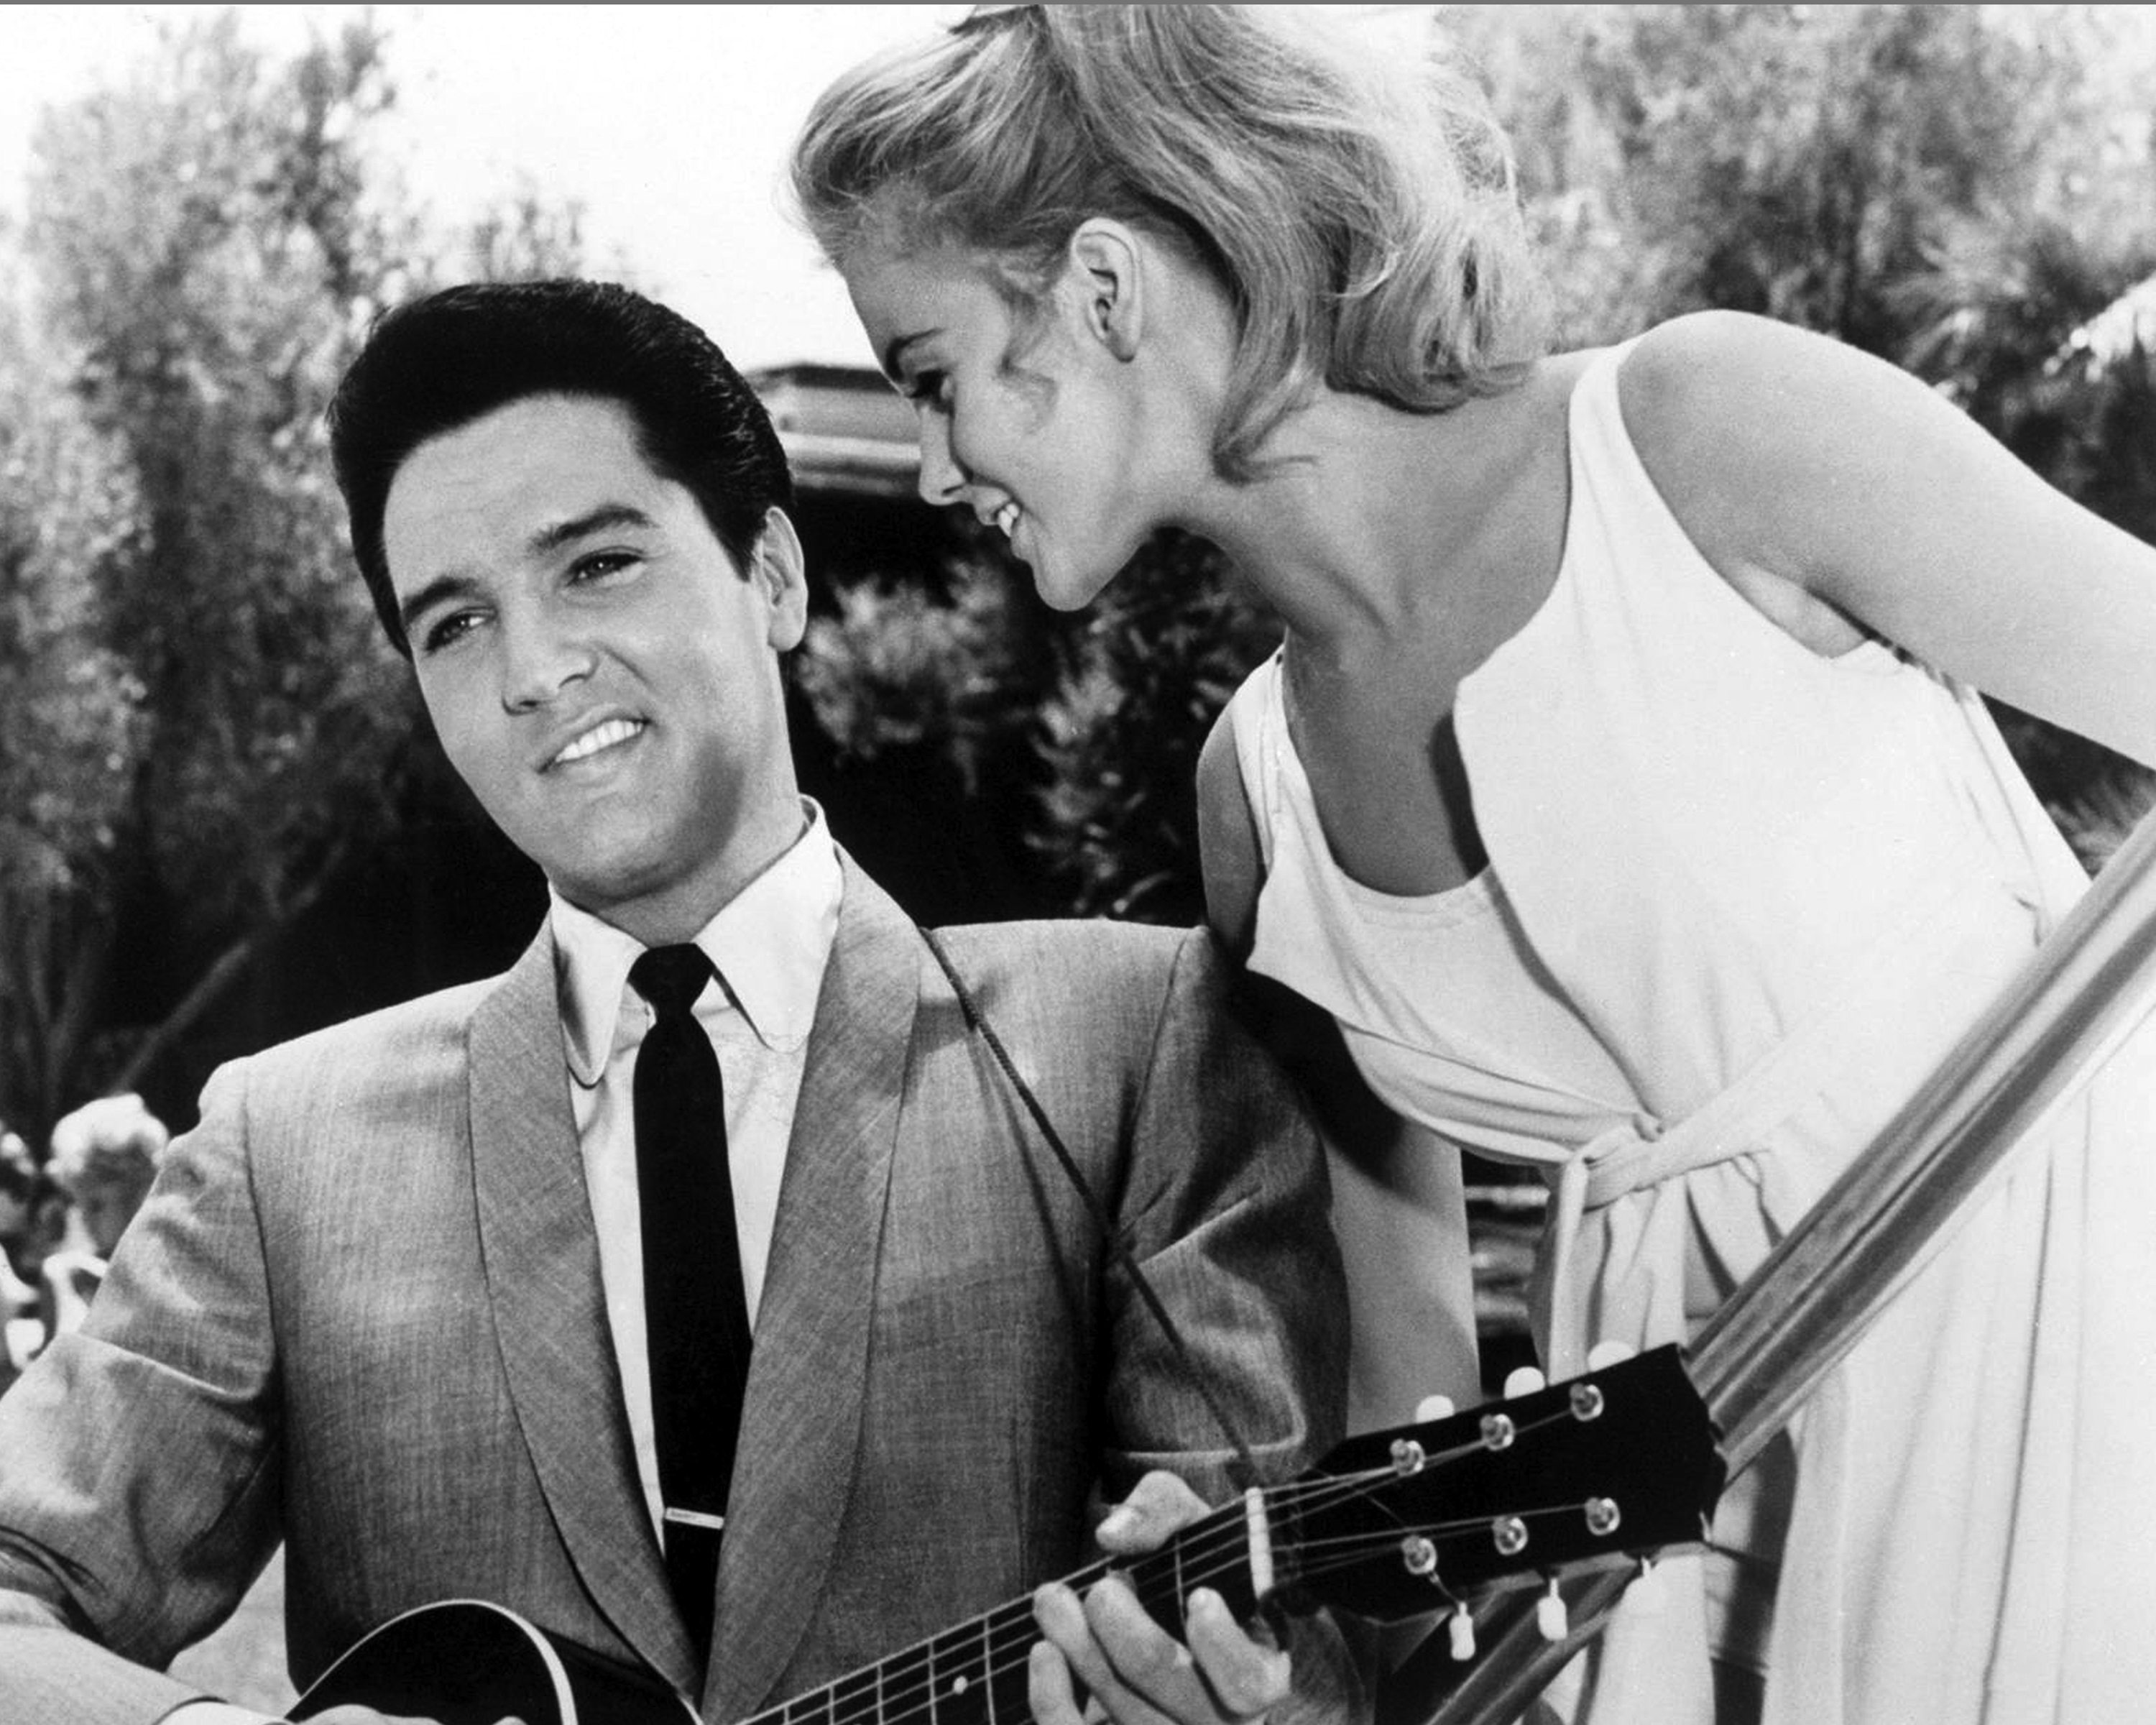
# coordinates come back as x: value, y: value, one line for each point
x: 1641, y: 1151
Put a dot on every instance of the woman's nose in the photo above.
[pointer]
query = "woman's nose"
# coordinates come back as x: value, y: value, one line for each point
x: 942, y: 480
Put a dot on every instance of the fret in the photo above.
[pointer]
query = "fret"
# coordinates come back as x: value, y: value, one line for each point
x: 1006, y: 1635
x: 958, y: 1691
x: 988, y: 1667
x: 857, y: 1698
x: 909, y: 1686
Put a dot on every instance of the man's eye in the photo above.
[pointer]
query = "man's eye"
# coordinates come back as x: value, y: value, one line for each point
x: 601, y: 564
x: 447, y: 631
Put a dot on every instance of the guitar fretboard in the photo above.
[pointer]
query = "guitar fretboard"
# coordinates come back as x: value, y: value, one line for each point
x: 975, y: 1673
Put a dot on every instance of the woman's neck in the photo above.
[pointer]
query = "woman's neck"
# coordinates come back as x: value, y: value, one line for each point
x: 1365, y: 518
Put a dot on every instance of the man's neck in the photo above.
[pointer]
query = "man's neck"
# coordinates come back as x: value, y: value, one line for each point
x: 680, y: 912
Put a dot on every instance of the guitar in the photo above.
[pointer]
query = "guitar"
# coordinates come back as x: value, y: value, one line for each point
x: 1597, y: 1472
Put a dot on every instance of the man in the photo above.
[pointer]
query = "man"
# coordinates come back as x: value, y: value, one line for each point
x: 388, y: 1301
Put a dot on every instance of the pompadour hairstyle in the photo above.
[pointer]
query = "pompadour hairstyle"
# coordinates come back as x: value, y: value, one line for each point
x: 441, y: 362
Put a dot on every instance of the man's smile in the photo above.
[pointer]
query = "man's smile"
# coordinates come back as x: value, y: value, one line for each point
x: 608, y: 733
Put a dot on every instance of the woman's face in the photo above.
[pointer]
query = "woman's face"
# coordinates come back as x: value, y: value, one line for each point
x: 1023, y: 416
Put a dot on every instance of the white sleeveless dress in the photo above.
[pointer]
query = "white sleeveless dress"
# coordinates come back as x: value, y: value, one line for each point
x: 1740, y: 900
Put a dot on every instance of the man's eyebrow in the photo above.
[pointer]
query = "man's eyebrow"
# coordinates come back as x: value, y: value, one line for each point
x: 594, y: 520
x: 441, y: 589
x: 455, y: 584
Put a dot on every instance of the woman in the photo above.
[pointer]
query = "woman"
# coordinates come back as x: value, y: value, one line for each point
x: 1620, y: 787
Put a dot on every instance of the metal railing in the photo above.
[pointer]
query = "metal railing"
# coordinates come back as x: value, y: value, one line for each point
x: 2087, y: 987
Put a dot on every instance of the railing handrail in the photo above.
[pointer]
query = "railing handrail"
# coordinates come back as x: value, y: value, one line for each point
x: 2087, y: 987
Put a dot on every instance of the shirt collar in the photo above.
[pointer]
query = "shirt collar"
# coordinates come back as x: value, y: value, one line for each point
x: 769, y: 944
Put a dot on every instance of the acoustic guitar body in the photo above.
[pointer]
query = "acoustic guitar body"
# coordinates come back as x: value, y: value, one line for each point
x: 466, y: 1662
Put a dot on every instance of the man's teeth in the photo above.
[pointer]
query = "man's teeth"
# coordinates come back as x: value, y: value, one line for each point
x: 600, y: 736
x: 1007, y: 519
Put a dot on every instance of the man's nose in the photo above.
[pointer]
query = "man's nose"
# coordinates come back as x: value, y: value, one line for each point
x: 539, y: 661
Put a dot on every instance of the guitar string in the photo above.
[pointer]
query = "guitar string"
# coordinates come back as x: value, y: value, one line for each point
x: 1210, y: 1554
x: 913, y: 1691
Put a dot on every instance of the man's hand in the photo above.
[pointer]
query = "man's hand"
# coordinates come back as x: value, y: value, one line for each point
x: 1135, y: 1673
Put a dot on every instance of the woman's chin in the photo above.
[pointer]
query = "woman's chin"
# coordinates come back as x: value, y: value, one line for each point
x: 1067, y: 589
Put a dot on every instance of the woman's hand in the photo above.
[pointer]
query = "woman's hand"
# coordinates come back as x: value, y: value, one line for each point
x: 1134, y: 1671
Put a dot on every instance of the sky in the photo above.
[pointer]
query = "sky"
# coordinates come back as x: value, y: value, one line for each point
x: 669, y: 124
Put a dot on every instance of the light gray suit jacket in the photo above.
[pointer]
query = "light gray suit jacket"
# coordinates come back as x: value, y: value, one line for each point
x: 363, y: 1313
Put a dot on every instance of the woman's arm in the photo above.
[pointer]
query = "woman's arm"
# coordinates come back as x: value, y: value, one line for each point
x: 1841, y: 495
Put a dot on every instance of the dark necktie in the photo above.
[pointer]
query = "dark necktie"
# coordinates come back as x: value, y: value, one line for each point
x: 695, y: 1314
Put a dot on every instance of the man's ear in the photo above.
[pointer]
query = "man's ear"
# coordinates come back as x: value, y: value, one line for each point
x: 780, y: 573
x: 1104, y: 255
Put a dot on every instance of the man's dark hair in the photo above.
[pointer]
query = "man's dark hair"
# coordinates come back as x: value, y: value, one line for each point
x: 441, y: 362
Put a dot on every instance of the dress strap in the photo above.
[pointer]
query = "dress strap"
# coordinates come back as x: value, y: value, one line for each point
x: 1247, y: 712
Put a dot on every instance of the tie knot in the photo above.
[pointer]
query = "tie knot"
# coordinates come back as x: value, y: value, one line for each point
x: 671, y: 978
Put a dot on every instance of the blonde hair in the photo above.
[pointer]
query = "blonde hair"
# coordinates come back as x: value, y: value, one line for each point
x: 114, y: 1140
x: 1358, y: 208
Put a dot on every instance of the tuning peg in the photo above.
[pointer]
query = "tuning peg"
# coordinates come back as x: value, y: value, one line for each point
x: 1460, y: 1627
x: 1552, y: 1622
x: 1612, y: 1352
x: 1523, y: 1380
x: 1434, y: 1406
x: 1647, y: 1593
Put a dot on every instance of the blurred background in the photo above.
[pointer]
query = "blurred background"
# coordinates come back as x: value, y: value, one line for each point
x: 222, y: 820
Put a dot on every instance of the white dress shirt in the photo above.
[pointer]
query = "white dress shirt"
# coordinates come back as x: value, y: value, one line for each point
x: 769, y: 945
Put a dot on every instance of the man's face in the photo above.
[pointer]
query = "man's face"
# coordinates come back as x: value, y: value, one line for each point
x: 599, y: 671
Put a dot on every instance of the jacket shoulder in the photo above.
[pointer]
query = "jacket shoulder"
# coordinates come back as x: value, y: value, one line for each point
x: 1048, y: 952
x: 1087, y: 980
x: 414, y: 1041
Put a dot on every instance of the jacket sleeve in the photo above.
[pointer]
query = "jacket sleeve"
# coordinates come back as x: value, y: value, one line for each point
x: 139, y: 1455
x: 1226, y: 1206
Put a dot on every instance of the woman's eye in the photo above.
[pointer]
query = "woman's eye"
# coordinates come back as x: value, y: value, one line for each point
x: 930, y: 389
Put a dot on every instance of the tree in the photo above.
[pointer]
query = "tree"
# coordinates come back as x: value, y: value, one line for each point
x: 71, y: 719
x: 209, y: 254
x: 207, y: 251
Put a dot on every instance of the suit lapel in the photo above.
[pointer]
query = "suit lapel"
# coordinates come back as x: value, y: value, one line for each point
x: 801, y: 1428
x: 543, y: 1273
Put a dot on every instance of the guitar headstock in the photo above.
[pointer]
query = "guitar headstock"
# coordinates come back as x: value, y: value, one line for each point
x: 1612, y: 1465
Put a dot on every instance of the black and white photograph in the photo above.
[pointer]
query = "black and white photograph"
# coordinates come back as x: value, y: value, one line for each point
x: 1077, y: 864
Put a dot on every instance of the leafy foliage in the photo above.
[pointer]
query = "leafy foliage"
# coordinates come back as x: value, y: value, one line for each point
x: 70, y: 709
x: 72, y: 726
x: 1162, y: 650
x: 213, y: 724
x: 211, y: 326
x: 898, y: 668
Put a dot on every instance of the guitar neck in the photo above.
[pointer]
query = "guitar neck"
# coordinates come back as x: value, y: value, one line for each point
x: 975, y: 1674
x: 1392, y: 1524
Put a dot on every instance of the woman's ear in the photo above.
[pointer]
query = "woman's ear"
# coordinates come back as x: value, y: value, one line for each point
x: 1105, y: 257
